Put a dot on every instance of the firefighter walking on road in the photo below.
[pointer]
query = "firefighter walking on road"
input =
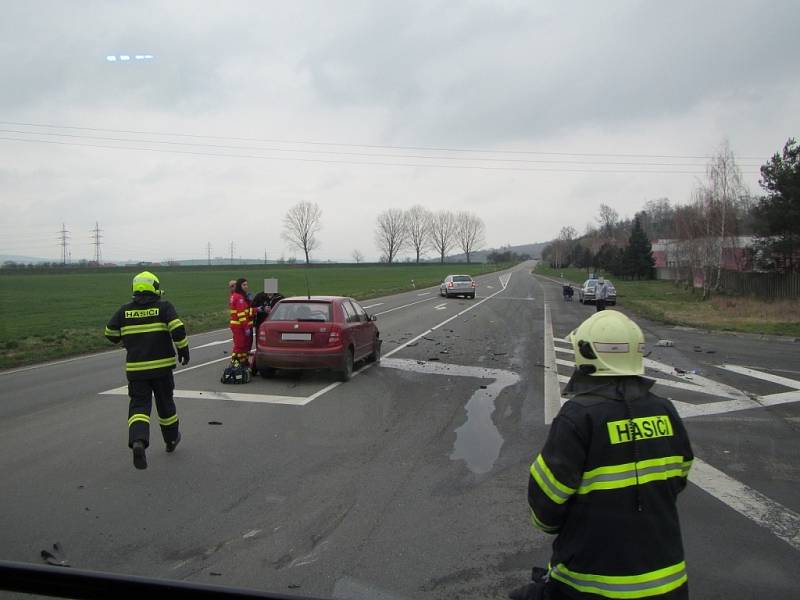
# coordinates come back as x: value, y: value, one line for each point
x: 607, y: 480
x: 148, y: 328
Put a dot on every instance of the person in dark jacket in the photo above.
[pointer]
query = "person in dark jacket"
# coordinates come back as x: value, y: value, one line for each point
x: 148, y: 328
x: 607, y: 480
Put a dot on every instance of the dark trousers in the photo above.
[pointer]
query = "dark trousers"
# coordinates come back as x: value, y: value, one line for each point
x: 600, y: 303
x: 141, y: 392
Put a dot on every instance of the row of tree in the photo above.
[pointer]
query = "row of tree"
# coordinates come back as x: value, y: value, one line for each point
x: 416, y: 229
x: 704, y: 235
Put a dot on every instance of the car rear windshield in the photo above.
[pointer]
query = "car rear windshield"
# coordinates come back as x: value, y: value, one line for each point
x: 301, y: 311
x: 462, y: 278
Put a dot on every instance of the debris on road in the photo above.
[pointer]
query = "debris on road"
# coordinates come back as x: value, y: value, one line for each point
x: 56, y: 557
x: 667, y: 343
x: 215, y: 422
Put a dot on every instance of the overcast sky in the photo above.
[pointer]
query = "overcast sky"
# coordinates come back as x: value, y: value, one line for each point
x: 247, y: 108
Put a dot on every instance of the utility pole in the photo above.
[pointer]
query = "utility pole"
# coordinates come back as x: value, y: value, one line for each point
x: 63, y: 236
x: 231, y: 252
x: 265, y: 256
x: 208, y: 248
x: 96, y: 236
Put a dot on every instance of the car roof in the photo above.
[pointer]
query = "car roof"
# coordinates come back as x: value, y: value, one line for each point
x: 459, y: 275
x: 314, y: 298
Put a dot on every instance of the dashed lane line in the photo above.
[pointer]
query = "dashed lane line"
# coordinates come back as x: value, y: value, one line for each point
x: 783, y: 522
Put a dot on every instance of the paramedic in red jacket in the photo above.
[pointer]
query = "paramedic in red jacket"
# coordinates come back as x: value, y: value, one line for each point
x: 241, y: 322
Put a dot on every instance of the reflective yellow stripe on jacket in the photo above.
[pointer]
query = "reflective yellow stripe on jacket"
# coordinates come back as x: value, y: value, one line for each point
x: 148, y: 365
x: 552, y: 487
x: 643, y: 585
x: 146, y: 328
x: 624, y: 475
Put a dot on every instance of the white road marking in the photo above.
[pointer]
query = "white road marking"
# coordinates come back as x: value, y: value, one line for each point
x: 232, y: 396
x: 779, y: 520
x: 779, y: 398
x: 201, y: 365
x: 513, y: 298
x: 373, y: 305
x: 439, y: 368
x: 251, y: 533
x: 552, y: 391
x: 442, y: 306
x: 423, y: 294
x: 692, y: 387
x: 404, y: 306
x: 784, y: 381
x: 228, y: 341
x: 60, y: 362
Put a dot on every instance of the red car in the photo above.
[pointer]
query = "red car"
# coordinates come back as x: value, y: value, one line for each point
x: 317, y: 332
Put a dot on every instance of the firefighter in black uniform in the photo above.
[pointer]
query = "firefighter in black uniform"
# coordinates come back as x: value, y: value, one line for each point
x: 148, y: 326
x: 607, y: 480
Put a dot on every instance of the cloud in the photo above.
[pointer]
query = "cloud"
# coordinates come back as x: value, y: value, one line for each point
x: 360, y: 78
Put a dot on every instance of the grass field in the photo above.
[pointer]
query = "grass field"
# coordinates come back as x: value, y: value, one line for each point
x: 669, y: 303
x: 56, y: 314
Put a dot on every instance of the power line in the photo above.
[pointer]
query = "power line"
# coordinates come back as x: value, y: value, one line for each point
x: 351, y: 145
x: 360, y: 154
x: 364, y: 163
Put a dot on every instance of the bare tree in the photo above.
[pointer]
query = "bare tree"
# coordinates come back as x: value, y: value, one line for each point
x: 418, y: 223
x: 469, y: 232
x: 357, y: 256
x: 442, y: 231
x: 300, y: 227
x: 608, y: 220
x: 725, y: 193
x: 562, y: 247
x: 391, y: 234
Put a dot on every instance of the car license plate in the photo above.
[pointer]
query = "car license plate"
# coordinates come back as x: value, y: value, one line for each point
x: 296, y: 337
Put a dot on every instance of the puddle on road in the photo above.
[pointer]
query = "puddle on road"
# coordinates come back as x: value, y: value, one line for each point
x: 478, y: 441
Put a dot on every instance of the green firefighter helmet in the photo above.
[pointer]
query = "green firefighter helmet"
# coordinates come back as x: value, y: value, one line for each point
x: 146, y: 282
x: 608, y: 344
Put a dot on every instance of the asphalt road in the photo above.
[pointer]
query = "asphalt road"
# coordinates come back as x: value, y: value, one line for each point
x: 410, y: 480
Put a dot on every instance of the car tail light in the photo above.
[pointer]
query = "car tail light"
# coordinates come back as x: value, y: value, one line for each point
x: 335, y: 336
x: 474, y: 284
x: 449, y: 284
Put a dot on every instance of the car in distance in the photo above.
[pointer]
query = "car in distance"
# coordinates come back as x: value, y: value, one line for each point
x: 458, y: 285
x: 586, y: 292
x: 317, y: 332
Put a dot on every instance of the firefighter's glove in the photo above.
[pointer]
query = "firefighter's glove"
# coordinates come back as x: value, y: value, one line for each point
x: 183, y: 355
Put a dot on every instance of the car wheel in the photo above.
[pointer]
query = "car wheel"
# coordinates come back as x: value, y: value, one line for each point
x: 376, y: 351
x: 347, y: 370
x: 471, y: 296
x: 266, y: 372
